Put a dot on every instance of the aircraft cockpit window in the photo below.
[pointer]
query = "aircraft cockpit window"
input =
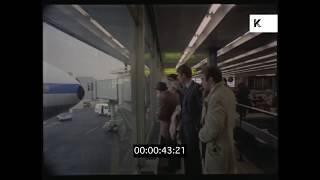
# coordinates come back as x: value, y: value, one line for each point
x: 45, y: 88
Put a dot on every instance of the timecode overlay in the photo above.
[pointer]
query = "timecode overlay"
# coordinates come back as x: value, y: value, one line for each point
x: 157, y: 150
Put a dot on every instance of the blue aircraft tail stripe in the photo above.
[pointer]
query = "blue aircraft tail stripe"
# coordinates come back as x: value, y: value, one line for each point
x: 55, y: 88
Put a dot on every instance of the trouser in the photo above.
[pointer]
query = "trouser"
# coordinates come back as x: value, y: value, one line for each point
x: 173, y: 163
x: 203, y: 148
x: 192, y: 161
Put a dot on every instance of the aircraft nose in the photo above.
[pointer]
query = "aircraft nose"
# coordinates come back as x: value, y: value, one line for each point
x: 80, y: 92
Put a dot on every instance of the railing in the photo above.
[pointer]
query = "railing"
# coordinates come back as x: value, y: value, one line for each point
x: 258, y: 110
x: 257, y: 132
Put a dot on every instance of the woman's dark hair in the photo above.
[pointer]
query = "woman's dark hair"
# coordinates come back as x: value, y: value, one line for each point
x: 212, y: 71
x: 172, y: 77
x: 185, y: 69
x: 161, y: 86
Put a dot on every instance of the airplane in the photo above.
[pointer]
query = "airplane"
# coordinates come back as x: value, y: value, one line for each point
x: 61, y: 91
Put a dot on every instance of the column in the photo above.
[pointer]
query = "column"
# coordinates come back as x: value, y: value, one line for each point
x: 138, y: 79
x: 213, y: 57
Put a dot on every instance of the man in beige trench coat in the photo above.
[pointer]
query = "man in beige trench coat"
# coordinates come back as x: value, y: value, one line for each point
x: 219, y: 122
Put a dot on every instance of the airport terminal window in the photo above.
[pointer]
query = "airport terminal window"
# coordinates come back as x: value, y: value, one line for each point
x: 148, y: 57
x: 260, y: 83
x: 85, y: 139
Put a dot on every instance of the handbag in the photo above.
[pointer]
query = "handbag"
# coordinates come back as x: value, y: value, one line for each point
x: 175, y: 124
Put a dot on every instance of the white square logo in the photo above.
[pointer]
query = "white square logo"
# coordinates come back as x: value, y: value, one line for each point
x: 267, y: 23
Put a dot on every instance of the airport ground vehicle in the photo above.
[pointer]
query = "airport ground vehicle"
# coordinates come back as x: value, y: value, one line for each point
x: 102, y: 109
x: 65, y: 116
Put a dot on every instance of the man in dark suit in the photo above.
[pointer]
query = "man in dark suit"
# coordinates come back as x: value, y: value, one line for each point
x: 190, y: 119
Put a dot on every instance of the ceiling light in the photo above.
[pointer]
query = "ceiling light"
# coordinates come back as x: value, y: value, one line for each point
x: 214, y: 8
x: 250, y: 65
x: 117, y: 42
x: 193, y: 40
x: 266, y: 75
x: 78, y: 8
x: 249, y: 61
x: 270, y: 45
x: 241, y: 72
x: 100, y: 27
x: 203, y: 24
x: 237, y: 42
x: 200, y: 35
x: 252, y: 69
x: 201, y: 63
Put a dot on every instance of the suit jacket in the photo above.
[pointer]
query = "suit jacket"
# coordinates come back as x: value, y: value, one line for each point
x: 217, y: 130
x: 191, y: 105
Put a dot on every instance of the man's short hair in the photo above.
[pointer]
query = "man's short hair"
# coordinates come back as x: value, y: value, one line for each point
x: 185, y: 69
x: 214, y: 72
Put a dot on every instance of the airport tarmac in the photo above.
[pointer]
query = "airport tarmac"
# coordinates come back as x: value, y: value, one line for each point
x: 78, y: 146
